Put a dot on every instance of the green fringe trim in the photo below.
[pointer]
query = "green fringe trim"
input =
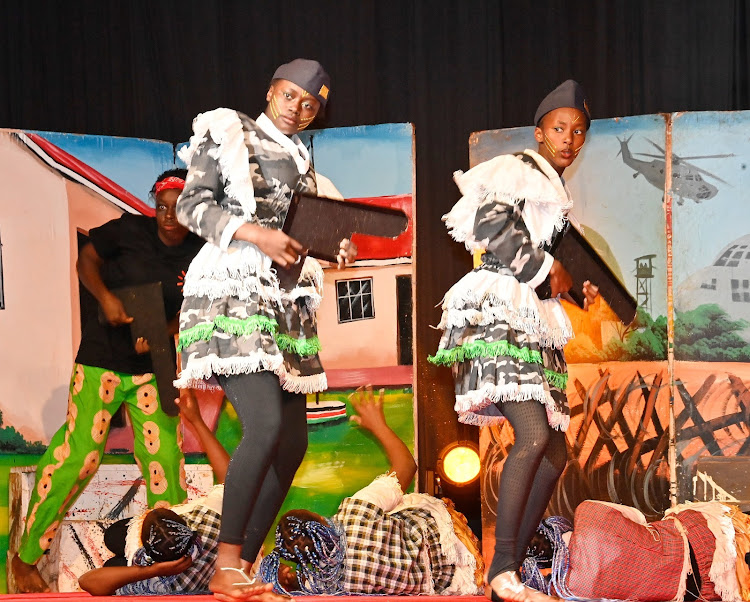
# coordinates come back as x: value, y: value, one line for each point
x: 234, y: 326
x: 199, y: 332
x: 239, y: 327
x: 556, y: 379
x: 448, y: 357
x: 475, y: 349
x: 309, y: 346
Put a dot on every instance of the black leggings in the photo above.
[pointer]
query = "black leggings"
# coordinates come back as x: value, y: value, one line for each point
x: 527, y: 482
x: 274, y: 441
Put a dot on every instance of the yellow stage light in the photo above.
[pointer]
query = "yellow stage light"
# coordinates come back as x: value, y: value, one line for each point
x: 459, y: 463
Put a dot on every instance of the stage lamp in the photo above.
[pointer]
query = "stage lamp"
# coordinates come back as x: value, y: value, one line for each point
x: 459, y: 463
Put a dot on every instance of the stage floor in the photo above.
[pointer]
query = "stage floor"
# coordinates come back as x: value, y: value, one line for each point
x: 73, y: 597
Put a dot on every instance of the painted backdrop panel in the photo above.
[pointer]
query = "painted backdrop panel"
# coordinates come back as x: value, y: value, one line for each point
x: 41, y: 215
x: 79, y: 182
x: 50, y: 198
x: 133, y: 163
x: 710, y: 154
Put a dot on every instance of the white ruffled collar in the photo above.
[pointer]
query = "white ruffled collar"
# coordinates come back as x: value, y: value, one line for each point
x: 560, y: 186
x: 555, y: 179
x: 508, y: 179
x: 224, y: 126
x: 293, y: 145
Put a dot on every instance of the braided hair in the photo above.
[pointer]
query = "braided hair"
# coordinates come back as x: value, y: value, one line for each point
x: 550, y: 551
x: 315, y: 545
x: 166, y: 536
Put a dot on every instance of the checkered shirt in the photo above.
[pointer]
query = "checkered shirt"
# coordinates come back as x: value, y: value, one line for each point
x: 391, y: 553
x: 206, y: 522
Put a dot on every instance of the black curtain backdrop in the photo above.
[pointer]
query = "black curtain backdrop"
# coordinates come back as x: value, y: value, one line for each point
x: 145, y: 69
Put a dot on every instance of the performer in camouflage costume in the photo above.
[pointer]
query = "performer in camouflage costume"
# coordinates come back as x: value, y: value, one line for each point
x: 237, y: 323
x: 503, y: 342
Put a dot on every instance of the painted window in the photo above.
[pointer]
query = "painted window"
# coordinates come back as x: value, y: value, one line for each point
x: 355, y: 299
x: 724, y: 256
x: 731, y: 257
x: 741, y: 291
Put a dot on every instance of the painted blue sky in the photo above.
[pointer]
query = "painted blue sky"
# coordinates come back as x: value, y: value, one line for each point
x: 702, y: 230
x: 372, y: 160
x: 133, y: 163
x: 368, y: 160
x: 627, y: 211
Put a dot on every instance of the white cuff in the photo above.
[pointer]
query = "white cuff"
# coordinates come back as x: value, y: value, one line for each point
x: 231, y: 227
x: 543, y: 271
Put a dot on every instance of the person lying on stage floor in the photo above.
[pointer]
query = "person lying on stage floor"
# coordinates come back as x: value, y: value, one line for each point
x: 380, y: 541
x: 699, y: 551
x: 171, y: 551
x: 186, y: 563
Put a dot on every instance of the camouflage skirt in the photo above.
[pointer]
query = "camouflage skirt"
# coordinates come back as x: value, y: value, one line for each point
x: 500, y: 351
x: 235, y: 323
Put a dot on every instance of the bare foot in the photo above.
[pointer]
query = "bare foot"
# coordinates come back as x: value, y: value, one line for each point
x: 27, y: 577
x: 509, y: 587
x: 231, y: 584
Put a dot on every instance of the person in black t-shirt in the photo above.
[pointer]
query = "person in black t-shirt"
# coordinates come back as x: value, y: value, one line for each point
x: 109, y: 371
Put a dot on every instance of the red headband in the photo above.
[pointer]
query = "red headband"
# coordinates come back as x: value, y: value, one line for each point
x: 167, y: 183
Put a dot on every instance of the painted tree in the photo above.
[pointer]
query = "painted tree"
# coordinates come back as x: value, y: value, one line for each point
x: 643, y: 340
x: 707, y: 334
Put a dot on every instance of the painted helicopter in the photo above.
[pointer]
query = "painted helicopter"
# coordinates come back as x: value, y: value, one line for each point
x: 687, y: 181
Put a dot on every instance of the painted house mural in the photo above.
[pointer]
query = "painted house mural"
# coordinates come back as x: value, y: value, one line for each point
x: 52, y: 199
x: 61, y: 185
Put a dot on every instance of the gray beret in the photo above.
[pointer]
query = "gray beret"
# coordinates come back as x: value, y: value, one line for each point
x: 308, y: 75
x: 567, y: 94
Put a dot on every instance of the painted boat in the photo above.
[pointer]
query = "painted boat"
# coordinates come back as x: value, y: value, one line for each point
x: 325, y: 411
